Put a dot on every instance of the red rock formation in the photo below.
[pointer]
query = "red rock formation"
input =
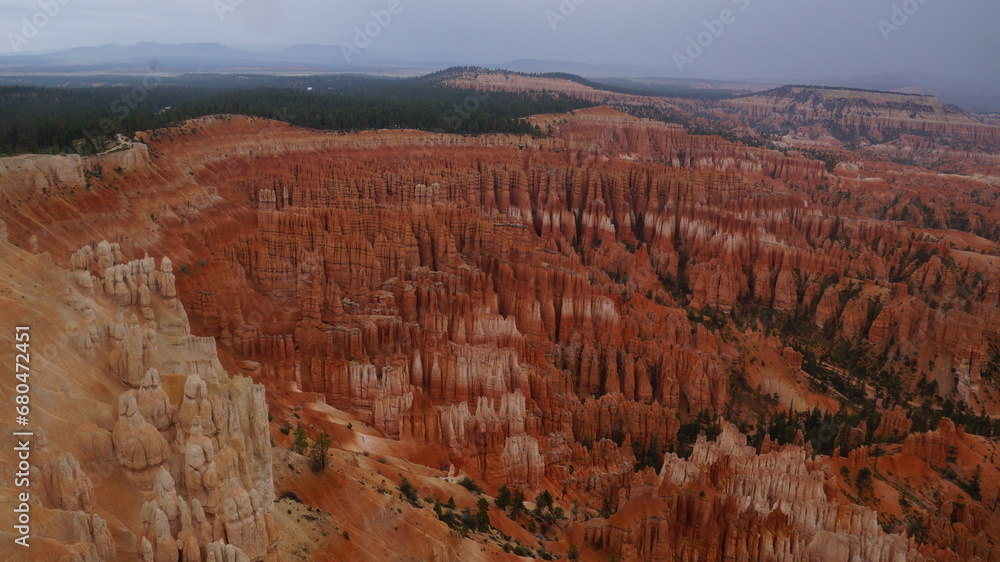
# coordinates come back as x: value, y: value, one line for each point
x: 934, y: 446
x: 874, y: 117
x: 499, y: 302
x: 894, y: 425
x: 728, y: 502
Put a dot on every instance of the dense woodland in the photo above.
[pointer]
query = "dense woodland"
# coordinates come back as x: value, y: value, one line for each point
x: 72, y: 117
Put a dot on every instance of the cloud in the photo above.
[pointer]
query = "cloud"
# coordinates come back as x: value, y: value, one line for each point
x: 772, y: 38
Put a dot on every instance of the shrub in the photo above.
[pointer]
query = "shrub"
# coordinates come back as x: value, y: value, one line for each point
x: 864, y: 480
x: 409, y: 492
x: 290, y: 496
x: 952, y: 457
x: 470, y: 485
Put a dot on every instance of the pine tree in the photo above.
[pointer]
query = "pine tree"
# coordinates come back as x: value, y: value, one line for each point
x: 483, y: 515
x: 543, y: 500
x: 299, y: 441
x: 319, y: 452
x: 975, y: 486
x: 516, y: 504
x: 503, y: 498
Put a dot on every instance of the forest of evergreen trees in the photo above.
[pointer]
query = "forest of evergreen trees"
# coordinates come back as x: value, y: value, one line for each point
x: 82, y: 119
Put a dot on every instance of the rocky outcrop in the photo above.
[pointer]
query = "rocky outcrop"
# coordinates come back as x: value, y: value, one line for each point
x: 36, y: 172
x: 894, y: 425
x: 774, y: 506
x: 522, y: 461
x: 66, y: 486
x: 141, y: 449
x: 200, y: 486
x: 935, y: 446
x: 870, y: 117
x: 153, y: 402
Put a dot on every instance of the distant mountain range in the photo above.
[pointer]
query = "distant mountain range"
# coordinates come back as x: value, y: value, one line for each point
x: 198, y: 57
x: 310, y: 58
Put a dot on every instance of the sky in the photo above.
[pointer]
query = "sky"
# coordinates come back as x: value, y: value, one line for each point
x: 739, y: 39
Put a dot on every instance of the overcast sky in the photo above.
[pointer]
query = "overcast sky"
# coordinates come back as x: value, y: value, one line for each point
x: 762, y: 39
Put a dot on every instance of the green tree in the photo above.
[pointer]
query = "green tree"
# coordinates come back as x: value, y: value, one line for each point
x: 409, y: 492
x: 299, y: 441
x: 975, y: 486
x: 864, y: 481
x: 483, y: 515
x: 319, y: 453
x: 543, y: 500
x: 952, y: 456
x: 470, y: 485
x: 516, y: 504
x: 573, y: 554
x: 503, y: 498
